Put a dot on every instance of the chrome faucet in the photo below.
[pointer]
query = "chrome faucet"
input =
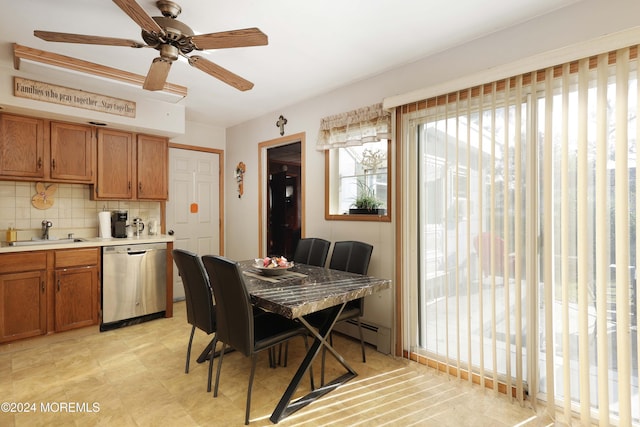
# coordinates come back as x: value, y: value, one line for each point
x: 46, y: 225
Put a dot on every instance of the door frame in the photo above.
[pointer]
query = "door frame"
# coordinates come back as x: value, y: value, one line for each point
x: 220, y: 153
x: 263, y: 179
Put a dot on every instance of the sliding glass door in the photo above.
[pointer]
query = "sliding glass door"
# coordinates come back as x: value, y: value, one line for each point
x: 525, y: 236
x: 471, y: 213
x: 586, y: 131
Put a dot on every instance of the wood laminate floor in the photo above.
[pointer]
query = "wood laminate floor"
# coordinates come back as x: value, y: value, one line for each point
x: 134, y: 376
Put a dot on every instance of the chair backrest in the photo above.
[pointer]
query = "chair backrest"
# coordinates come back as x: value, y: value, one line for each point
x: 197, y: 290
x: 351, y: 256
x: 233, y: 303
x: 485, y: 240
x: 312, y: 251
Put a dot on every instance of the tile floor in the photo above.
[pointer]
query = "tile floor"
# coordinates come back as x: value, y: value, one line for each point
x: 135, y: 376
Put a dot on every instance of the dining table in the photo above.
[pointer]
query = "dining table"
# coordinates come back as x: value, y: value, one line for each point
x: 297, y: 293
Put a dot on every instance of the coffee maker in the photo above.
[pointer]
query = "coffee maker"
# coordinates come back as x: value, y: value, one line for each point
x: 119, y: 224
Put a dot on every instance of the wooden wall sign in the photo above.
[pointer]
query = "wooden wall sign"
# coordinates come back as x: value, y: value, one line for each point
x: 39, y: 91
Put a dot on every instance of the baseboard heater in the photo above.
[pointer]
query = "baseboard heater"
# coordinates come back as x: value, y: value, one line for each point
x: 378, y: 336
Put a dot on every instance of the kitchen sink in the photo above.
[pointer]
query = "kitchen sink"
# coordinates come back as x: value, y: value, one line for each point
x: 35, y: 242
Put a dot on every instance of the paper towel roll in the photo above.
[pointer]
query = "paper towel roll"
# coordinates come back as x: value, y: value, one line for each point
x: 104, y: 223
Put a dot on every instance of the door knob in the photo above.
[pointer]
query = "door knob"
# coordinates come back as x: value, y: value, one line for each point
x: 170, y: 232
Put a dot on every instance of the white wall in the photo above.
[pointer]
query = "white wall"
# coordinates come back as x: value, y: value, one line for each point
x: 202, y: 135
x: 583, y: 21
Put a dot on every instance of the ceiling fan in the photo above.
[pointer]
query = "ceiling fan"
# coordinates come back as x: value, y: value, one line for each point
x: 172, y: 39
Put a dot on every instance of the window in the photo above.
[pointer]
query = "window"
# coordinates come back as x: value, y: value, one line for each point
x: 358, y: 181
x: 357, y: 160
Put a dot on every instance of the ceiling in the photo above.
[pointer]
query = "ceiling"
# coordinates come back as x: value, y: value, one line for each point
x: 314, y: 47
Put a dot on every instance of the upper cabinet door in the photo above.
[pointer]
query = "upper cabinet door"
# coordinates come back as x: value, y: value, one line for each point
x: 22, y: 146
x: 152, y: 161
x: 115, y: 165
x: 72, y: 152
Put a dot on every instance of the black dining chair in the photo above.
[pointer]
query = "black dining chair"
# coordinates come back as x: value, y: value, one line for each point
x: 201, y: 310
x: 312, y: 251
x: 354, y: 257
x: 237, y: 326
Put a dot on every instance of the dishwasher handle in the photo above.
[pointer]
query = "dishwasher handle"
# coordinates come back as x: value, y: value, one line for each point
x: 133, y: 249
x: 136, y: 252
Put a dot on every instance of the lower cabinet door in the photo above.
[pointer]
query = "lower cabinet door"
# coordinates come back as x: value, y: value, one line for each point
x: 23, y: 305
x: 76, y: 297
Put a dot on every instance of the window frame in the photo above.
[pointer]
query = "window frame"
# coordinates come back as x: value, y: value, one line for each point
x: 329, y: 187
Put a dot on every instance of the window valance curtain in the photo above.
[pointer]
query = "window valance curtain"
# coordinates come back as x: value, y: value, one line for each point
x: 357, y: 127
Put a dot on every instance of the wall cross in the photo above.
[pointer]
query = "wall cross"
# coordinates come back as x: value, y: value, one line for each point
x: 280, y: 123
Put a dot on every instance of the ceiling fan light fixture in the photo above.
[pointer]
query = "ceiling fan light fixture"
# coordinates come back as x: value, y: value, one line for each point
x: 169, y: 52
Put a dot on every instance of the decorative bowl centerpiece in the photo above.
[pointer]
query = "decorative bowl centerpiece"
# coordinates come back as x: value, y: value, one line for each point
x: 273, y: 266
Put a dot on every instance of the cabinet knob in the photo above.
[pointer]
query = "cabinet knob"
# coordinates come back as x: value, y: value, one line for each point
x: 42, y: 286
x: 39, y: 162
x: 58, y: 285
x: 53, y: 163
x: 140, y: 187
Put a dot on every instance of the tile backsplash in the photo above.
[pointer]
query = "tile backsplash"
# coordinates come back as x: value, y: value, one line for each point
x: 72, y: 211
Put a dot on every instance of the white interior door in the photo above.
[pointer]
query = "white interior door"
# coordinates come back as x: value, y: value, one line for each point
x: 193, y: 209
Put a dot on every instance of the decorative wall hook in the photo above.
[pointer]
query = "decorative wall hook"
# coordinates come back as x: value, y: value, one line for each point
x: 280, y: 123
x: 240, y: 170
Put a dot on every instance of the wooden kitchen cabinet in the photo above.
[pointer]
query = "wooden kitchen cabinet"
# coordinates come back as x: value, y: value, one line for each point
x: 76, y: 288
x: 22, y: 147
x: 115, y: 178
x: 131, y: 166
x: 76, y: 297
x: 152, y: 165
x: 120, y: 165
x: 72, y: 152
x: 48, y: 291
x: 23, y: 295
x: 37, y: 149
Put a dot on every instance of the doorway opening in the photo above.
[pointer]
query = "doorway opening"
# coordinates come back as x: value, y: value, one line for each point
x: 283, y: 202
x: 282, y: 195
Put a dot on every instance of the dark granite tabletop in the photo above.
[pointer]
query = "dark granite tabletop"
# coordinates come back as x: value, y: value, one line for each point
x: 306, y: 289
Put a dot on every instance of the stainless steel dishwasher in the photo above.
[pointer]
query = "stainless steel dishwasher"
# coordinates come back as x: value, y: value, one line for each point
x: 134, y: 284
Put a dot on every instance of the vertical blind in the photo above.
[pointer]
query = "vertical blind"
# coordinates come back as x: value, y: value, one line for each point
x: 519, y: 236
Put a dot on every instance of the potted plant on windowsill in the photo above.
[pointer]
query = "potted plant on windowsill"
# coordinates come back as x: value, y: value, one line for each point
x: 367, y: 203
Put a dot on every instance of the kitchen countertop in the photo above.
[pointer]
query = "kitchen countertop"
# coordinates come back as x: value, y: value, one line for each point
x: 87, y: 242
